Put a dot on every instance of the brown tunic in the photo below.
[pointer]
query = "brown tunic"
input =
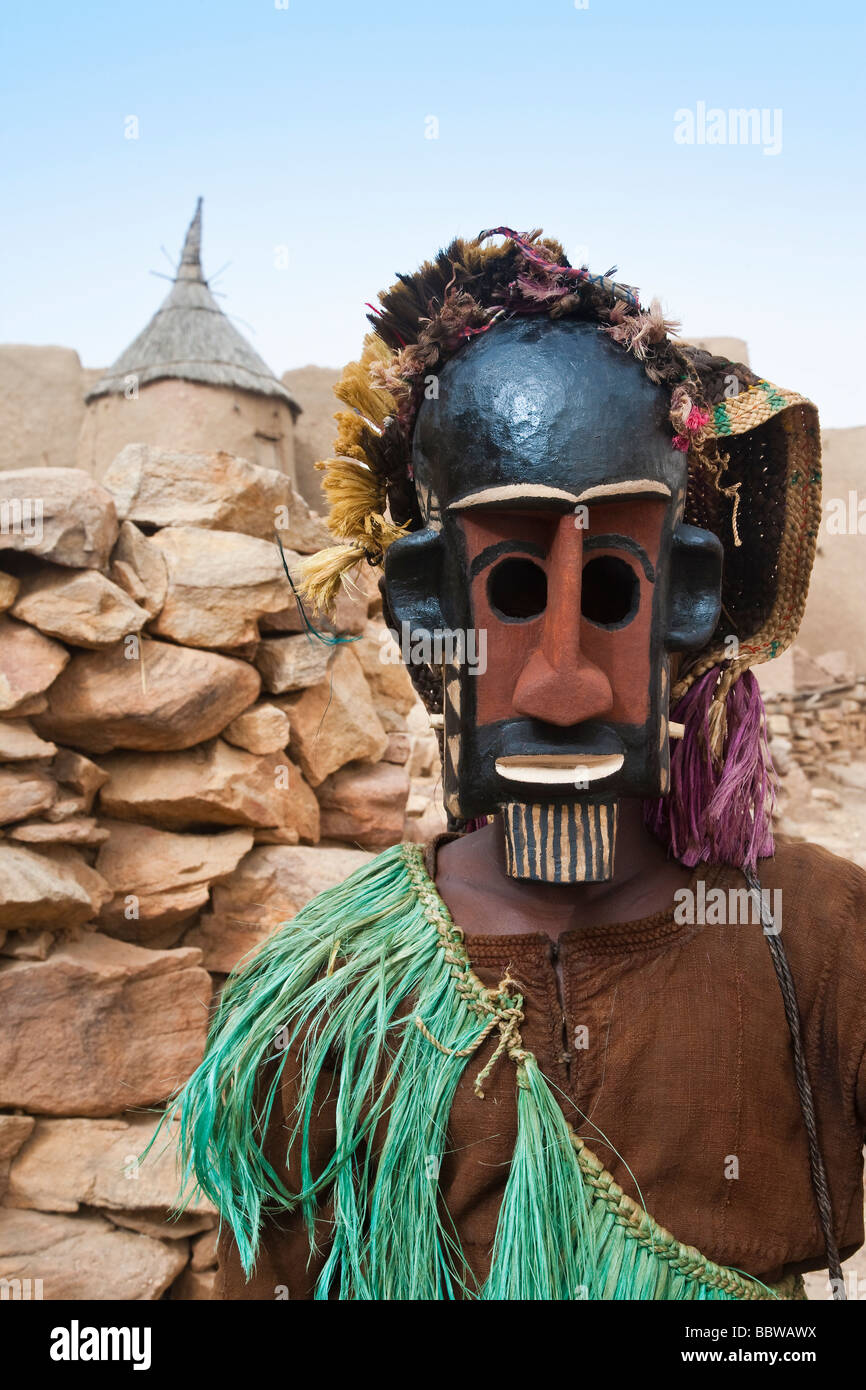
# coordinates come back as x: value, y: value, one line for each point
x: 669, y: 1046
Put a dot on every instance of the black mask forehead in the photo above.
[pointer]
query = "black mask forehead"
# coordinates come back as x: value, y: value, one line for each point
x: 550, y: 402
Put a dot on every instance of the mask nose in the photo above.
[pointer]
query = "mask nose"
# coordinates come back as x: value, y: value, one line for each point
x: 558, y: 683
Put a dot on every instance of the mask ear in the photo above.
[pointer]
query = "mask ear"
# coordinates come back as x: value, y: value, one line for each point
x: 695, y: 594
x: 413, y: 575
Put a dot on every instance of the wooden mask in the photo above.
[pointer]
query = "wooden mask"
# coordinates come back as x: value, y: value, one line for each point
x: 551, y: 581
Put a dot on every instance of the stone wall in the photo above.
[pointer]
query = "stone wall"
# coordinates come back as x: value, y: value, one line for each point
x: 816, y: 718
x: 820, y: 732
x: 181, y: 769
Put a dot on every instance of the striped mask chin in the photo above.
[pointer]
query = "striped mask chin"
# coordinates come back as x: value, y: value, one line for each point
x: 560, y: 842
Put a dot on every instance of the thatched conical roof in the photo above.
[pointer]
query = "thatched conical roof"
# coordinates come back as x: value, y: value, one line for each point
x: 190, y: 337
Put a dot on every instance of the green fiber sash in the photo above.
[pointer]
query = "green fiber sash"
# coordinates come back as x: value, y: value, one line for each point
x: 329, y: 985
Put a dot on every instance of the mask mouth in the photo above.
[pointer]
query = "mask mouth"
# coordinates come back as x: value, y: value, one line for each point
x: 558, y: 769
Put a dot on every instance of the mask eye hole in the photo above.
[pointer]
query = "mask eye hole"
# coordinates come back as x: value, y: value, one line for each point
x: 610, y: 592
x: 517, y: 590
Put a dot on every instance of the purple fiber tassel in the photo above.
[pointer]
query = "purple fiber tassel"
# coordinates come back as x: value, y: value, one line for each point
x: 720, y: 814
x: 475, y: 824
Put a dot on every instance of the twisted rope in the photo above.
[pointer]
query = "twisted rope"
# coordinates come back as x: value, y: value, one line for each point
x: 817, y: 1170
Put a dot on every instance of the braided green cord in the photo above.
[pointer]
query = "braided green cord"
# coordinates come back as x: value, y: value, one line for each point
x: 502, y: 1010
x: 640, y: 1226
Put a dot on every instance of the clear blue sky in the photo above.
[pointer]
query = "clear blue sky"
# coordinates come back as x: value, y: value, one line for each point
x: 304, y: 127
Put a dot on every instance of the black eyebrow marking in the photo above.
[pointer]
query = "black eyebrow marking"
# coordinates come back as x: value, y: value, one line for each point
x: 622, y: 543
x: 492, y: 552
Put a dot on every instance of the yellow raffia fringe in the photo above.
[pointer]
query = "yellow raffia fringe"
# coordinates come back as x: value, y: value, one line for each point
x: 320, y: 577
x: 355, y: 389
x: 350, y: 435
x: 356, y: 492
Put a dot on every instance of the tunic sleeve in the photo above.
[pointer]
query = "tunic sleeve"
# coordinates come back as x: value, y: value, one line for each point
x: 285, y: 1268
x: 852, y: 974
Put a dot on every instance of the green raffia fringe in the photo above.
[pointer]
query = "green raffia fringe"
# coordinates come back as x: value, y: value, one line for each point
x: 329, y: 985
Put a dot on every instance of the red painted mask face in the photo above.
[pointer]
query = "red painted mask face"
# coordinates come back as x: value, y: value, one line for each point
x: 566, y: 600
x: 566, y: 684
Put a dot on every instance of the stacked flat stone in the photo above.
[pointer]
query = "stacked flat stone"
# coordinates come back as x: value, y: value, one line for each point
x: 181, y: 768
